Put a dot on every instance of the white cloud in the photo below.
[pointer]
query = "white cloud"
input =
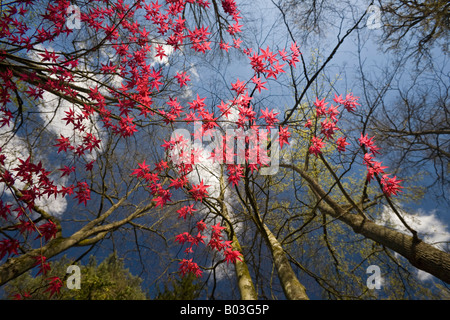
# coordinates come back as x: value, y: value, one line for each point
x: 15, y: 148
x: 168, y: 50
x: 52, y: 111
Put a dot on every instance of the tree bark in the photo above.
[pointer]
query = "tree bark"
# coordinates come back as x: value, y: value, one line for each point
x: 245, y: 282
x: 292, y: 288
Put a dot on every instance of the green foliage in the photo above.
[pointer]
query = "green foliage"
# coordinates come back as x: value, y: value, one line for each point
x: 184, y: 288
x: 108, y: 280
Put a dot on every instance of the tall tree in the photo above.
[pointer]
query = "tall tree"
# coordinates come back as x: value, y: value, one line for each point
x: 123, y: 127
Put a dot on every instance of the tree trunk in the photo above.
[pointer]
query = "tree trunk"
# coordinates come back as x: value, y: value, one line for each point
x: 292, y: 288
x: 245, y: 282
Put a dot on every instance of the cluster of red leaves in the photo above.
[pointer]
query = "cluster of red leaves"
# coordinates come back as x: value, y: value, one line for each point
x: 28, y: 181
x: 390, y: 186
x: 144, y: 81
x: 219, y: 244
x: 36, y: 184
x: 329, y: 123
x: 216, y: 242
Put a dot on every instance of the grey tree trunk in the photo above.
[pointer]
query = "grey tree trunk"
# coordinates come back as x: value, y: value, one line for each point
x: 245, y: 282
x: 292, y: 287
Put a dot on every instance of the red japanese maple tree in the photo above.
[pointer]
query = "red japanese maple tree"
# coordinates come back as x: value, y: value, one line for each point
x: 121, y: 109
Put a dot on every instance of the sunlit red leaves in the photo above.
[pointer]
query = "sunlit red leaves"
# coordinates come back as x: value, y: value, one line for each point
x: 224, y: 46
x: 186, y: 211
x: 136, y: 94
x: 182, y: 78
x: 162, y: 196
x: 144, y: 81
x: 199, y: 191
x: 234, y: 28
x: 235, y: 173
x: 368, y: 143
x: 391, y: 185
x: 231, y: 256
x: 316, y: 146
x: 67, y: 170
x: 350, y: 101
x: 198, y: 38
x: 328, y: 128
x: 341, y: 144
x: 284, y: 135
x: 229, y: 6
x: 375, y: 169
x: 216, y: 242
x: 49, y: 56
x: 108, y: 68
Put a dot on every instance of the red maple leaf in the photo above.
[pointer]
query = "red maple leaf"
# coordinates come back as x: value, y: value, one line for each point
x: 390, y: 185
x: 284, y: 136
x: 67, y: 171
x: 187, y: 266
x: 8, y: 246
x: 186, y: 210
x: 182, y: 78
x: 341, y: 143
x: 44, y: 266
x: 49, y: 56
x: 54, y: 286
x: 317, y: 145
x: 198, y: 191
x: 47, y: 230
x: 83, y: 194
x: 232, y: 255
x: 63, y: 144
